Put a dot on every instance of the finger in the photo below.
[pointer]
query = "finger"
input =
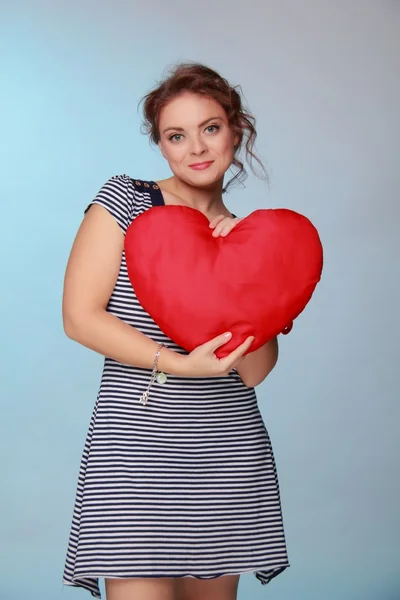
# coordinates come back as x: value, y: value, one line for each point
x: 225, y: 227
x: 220, y: 226
x: 238, y: 362
x: 236, y: 354
x: 218, y: 341
x: 215, y: 221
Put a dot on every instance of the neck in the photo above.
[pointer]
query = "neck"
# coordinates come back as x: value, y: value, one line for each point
x: 206, y: 200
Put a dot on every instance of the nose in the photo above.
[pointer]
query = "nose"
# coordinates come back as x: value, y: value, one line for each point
x: 198, y: 146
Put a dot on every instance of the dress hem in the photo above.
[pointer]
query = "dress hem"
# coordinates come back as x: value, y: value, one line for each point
x: 90, y: 586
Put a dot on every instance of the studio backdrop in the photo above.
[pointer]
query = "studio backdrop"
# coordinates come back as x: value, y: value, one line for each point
x: 322, y: 79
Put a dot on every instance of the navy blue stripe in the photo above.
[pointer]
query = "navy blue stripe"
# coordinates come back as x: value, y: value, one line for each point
x: 183, y: 486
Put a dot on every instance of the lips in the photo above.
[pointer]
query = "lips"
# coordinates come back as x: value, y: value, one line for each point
x: 202, y: 165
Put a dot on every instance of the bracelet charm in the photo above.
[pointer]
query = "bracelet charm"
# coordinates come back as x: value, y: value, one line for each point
x: 160, y: 377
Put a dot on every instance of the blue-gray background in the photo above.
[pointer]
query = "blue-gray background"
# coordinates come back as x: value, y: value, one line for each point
x: 322, y: 78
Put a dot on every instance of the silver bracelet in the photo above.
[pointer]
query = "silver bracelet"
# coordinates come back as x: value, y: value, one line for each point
x: 161, y: 377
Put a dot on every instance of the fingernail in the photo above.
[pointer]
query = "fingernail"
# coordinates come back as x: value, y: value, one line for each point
x: 228, y: 334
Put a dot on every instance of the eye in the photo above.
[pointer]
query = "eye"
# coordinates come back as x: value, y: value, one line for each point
x: 175, y: 135
x: 215, y: 127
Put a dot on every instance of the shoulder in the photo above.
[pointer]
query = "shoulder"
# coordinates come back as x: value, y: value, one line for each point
x: 127, y: 182
x: 119, y: 182
x: 139, y: 194
x: 125, y: 189
x: 124, y: 197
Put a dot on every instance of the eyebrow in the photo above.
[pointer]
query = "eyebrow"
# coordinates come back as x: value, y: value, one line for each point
x: 200, y: 125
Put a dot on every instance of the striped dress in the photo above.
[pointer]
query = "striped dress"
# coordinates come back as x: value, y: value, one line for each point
x: 184, y: 486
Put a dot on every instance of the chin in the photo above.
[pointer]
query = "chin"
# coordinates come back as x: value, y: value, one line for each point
x: 204, y: 179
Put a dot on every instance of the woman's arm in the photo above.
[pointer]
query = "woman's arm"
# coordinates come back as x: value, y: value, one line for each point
x: 255, y: 366
x: 92, y: 271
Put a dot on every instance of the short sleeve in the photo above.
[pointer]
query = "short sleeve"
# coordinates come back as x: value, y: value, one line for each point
x: 117, y: 196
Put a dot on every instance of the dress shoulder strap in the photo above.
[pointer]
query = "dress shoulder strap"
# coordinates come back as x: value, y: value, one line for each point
x: 152, y: 189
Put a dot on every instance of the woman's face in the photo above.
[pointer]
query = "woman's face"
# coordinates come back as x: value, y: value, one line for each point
x: 195, y: 139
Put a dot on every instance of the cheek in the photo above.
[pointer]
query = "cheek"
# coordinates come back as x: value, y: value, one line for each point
x: 226, y: 148
x: 174, y: 154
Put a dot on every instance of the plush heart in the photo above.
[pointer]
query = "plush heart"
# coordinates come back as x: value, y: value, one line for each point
x: 255, y: 281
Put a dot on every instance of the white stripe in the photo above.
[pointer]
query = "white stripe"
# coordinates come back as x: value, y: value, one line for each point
x: 183, y: 486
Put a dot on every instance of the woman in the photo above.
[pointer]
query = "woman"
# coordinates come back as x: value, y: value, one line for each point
x: 177, y: 495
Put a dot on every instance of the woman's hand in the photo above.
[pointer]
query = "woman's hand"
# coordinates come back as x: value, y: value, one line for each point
x: 223, y: 225
x: 202, y: 361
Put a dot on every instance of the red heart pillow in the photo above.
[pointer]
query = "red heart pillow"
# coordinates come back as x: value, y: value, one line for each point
x: 255, y: 281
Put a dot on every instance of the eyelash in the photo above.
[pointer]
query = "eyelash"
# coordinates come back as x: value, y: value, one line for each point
x: 217, y: 127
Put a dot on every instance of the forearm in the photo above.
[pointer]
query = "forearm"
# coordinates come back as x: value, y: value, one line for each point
x: 107, y: 334
x: 255, y: 366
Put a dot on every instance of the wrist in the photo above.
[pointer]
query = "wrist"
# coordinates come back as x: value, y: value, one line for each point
x: 171, y: 362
